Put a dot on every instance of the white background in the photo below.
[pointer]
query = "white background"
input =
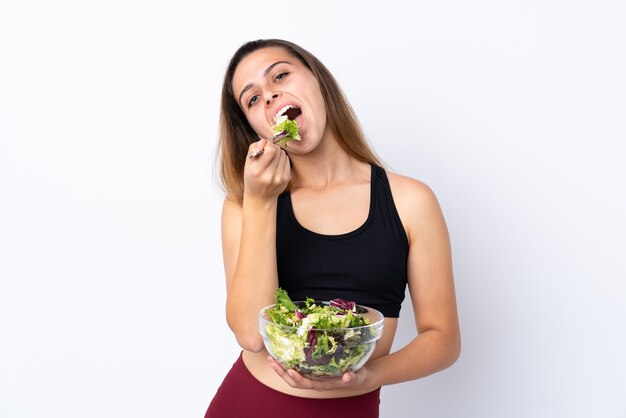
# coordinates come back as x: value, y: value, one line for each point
x: 111, y: 281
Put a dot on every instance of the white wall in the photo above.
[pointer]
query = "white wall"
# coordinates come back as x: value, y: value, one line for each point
x: 111, y: 284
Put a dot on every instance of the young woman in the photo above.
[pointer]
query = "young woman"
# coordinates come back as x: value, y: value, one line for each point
x: 321, y: 218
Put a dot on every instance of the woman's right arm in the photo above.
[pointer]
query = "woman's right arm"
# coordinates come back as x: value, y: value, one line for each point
x: 249, y: 243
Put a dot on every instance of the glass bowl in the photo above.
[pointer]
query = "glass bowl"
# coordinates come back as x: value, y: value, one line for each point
x: 337, y: 350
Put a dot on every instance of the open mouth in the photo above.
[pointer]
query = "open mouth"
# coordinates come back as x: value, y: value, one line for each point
x: 291, y: 111
x: 285, y: 125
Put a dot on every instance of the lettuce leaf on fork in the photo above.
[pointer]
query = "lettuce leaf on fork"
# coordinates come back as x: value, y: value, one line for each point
x: 288, y: 127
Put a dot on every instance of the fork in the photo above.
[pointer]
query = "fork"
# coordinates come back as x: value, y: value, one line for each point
x: 274, y: 140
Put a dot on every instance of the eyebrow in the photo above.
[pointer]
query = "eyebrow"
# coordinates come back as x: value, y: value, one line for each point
x: 265, y: 73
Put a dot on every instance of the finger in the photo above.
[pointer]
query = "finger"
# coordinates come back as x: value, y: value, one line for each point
x: 257, y: 147
x: 284, y: 374
x: 284, y: 161
x: 297, y: 379
x: 263, y: 161
x: 319, y: 385
x: 287, y: 168
x: 280, y: 369
x: 277, y: 157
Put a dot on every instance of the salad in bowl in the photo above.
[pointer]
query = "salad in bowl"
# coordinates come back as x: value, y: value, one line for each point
x: 320, y: 339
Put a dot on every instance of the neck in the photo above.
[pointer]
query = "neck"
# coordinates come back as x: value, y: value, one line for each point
x: 324, y: 167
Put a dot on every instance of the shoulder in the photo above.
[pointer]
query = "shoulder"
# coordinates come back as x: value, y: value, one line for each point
x: 410, y: 192
x: 415, y: 202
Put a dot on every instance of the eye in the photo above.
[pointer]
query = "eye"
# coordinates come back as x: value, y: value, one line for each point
x: 281, y: 76
x: 252, y: 100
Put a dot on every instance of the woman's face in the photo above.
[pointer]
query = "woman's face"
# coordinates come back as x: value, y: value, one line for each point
x: 269, y: 79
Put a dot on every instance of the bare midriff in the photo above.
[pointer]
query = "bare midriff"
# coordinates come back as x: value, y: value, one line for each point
x: 259, y: 367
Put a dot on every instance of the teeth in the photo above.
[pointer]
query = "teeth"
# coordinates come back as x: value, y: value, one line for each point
x: 279, y: 119
x: 283, y: 110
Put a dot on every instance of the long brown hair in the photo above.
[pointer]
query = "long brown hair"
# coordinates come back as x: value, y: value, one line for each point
x: 236, y: 134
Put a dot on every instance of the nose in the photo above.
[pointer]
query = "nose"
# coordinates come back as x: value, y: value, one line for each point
x: 270, y: 99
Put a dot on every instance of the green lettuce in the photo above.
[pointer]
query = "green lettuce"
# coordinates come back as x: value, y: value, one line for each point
x: 289, y: 127
x: 317, y: 339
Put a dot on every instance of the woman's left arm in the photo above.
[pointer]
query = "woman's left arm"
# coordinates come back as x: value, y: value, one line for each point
x: 431, y: 286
